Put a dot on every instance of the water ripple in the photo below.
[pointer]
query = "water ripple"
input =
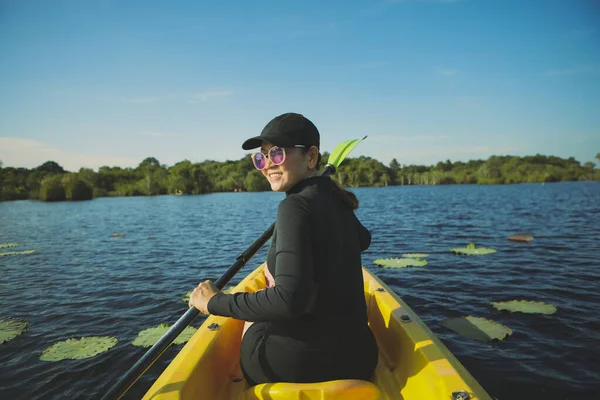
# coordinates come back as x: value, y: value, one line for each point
x: 85, y: 282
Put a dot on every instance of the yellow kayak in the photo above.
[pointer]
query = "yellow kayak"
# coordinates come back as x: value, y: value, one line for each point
x: 413, y: 362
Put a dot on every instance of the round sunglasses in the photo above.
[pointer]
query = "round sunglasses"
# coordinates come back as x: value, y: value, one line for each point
x: 276, y: 154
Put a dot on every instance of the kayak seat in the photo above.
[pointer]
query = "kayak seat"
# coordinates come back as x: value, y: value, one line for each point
x: 331, y: 390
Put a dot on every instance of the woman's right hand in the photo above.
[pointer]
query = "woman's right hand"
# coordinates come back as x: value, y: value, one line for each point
x: 202, y: 294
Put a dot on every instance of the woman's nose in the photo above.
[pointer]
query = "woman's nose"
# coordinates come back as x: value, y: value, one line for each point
x: 268, y: 162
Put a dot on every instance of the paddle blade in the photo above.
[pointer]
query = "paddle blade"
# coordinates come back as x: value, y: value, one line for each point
x: 342, y: 150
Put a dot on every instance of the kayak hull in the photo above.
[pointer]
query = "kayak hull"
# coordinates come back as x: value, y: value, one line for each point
x: 413, y: 363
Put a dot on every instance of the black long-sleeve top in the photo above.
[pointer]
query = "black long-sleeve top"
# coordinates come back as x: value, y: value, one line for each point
x: 315, y: 260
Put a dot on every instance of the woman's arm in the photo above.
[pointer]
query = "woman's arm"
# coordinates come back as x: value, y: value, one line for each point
x: 293, y: 277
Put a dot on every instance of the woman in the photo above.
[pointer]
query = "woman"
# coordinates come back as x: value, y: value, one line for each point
x: 311, y: 325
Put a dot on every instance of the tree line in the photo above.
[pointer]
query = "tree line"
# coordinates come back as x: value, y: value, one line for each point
x: 50, y: 182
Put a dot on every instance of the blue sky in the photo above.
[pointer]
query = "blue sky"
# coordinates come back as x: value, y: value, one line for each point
x: 107, y: 82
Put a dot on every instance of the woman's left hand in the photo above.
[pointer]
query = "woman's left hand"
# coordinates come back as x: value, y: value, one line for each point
x: 202, y: 295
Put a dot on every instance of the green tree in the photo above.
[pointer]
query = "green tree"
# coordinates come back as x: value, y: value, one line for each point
x: 51, y: 188
x: 38, y: 174
x: 89, y: 176
x: 13, y: 184
x: 76, y: 188
x: 444, y: 166
x: 256, y: 182
x: 154, y: 177
x: 385, y: 178
x: 51, y: 167
x: 202, y: 182
x: 324, y: 160
x: 180, y: 178
x: 151, y: 178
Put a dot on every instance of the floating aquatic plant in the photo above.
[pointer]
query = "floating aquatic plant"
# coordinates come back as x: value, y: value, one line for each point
x: 148, y: 337
x: 77, y: 349
x: 400, y: 262
x: 524, y: 306
x: 11, y: 328
x: 471, y: 250
x: 5, y: 245
x: 521, y: 237
x: 16, y: 253
x: 477, y: 328
x: 415, y: 255
x: 186, y: 297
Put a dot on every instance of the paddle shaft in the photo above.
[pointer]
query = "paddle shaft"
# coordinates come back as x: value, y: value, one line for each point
x: 146, y: 361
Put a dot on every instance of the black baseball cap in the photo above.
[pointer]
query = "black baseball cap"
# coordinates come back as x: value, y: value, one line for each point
x: 286, y: 130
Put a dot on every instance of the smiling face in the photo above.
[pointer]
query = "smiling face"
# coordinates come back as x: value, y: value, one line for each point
x: 298, y: 165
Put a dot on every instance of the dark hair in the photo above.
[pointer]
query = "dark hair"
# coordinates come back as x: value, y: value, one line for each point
x: 306, y: 149
x: 348, y: 198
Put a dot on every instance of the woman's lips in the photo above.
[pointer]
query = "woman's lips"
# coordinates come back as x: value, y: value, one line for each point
x: 275, y: 175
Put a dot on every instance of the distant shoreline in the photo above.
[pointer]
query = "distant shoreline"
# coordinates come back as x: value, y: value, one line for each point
x: 50, y: 182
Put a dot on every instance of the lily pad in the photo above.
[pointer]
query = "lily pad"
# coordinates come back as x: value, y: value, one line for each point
x: 11, y: 328
x: 400, y: 262
x: 78, y: 349
x: 471, y: 250
x: 415, y: 255
x: 148, y: 337
x: 186, y: 297
x: 521, y: 237
x: 477, y: 328
x: 16, y: 253
x: 5, y: 245
x: 524, y: 306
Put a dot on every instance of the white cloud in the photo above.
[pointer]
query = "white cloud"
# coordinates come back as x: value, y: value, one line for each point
x: 154, y: 134
x: 210, y: 95
x: 203, y: 96
x: 405, y: 138
x: 159, y: 134
x: 430, y: 148
x: 299, y: 33
x: 27, y: 153
x: 446, y: 71
x: 480, y: 150
x: 142, y: 100
x: 424, y: 154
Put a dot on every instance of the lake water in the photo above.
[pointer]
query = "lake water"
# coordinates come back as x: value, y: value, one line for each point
x: 84, y: 282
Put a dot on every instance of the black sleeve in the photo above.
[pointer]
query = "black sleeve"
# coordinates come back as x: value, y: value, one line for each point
x: 293, y: 273
x: 364, y: 236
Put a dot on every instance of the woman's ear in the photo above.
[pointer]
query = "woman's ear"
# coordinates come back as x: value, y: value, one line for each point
x: 313, y: 154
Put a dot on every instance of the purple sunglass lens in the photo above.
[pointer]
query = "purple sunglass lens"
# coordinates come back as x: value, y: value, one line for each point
x: 259, y: 160
x: 277, y: 155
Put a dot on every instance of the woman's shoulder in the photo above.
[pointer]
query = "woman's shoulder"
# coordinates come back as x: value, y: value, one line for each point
x: 293, y: 203
x: 312, y: 192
